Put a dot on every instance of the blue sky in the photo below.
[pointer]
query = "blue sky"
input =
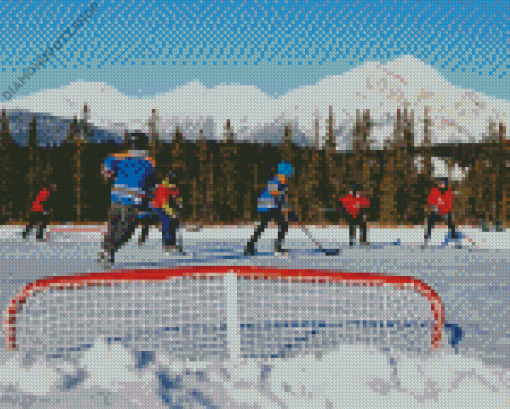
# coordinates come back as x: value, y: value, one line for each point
x: 145, y: 48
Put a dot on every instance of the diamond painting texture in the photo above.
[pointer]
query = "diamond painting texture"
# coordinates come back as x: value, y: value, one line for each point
x: 255, y: 204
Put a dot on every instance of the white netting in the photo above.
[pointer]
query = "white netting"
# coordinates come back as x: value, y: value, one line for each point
x: 183, y: 316
x: 284, y: 317
x: 188, y: 317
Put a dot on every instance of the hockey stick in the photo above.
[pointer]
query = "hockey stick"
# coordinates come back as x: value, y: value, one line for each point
x: 180, y: 245
x: 332, y: 209
x: 325, y: 251
x: 293, y: 217
x: 468, y: 238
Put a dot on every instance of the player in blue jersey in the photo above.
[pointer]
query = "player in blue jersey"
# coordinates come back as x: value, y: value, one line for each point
x: 133, y: 173
x: 273, y: 205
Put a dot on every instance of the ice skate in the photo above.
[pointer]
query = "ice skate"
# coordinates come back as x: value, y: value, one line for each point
x: 107, y: 263
x: 249, y: 251
x: 278, y: 248
x: 284, y: 253
x: 172, y: 249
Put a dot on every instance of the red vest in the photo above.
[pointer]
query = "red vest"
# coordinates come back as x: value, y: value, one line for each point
x: 353, y: 204
x: 161, y: 195
x: 41, y: 197
x: 443, y: 201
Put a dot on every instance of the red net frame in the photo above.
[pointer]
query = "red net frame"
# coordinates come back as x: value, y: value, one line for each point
x: 205, y: 272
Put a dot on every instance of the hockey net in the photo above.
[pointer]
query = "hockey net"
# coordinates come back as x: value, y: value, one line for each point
x: 217, y: 312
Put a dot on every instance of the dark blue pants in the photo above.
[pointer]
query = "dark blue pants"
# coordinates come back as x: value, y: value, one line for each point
x: 169, y: 226
x: 122, y: 223
x: 354, y: 222
x: 435, y: 217
x: 37, y: 217
x: 266, y: 217
x: 147, y: 218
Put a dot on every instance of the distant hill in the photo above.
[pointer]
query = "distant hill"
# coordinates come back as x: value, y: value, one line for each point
x: 51, y: 129
x: 458, y: 115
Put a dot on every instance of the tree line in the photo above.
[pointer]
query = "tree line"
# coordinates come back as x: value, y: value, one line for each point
x: 220, y: 181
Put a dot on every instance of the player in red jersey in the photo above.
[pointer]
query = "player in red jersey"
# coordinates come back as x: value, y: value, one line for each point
x: 440, y: 199
x: 39, y: 214
x: 356, y: 205
x: 164, y: 206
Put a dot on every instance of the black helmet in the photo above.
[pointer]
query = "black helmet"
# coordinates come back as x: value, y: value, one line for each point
x: 138, y: 141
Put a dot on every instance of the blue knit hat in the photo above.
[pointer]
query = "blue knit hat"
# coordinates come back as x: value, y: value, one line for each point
x: 285, y: 168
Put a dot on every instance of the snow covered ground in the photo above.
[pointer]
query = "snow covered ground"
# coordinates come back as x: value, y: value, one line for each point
x: 351, y: 376
x: 472, y: 281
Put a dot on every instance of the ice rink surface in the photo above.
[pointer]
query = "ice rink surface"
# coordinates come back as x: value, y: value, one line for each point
x: 472, y: 281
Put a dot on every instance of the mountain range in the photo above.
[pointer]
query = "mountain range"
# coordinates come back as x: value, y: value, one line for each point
x: 458, y: 115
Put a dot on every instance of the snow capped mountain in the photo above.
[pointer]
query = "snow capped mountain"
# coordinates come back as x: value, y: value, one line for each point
x: 51, y: 130
x: 458, y: 115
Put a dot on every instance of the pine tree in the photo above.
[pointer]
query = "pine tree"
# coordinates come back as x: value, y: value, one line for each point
x: 459, y: 189
x: 477, y: 186
x: 7, y: 171
x: 251, y: 184
x: 492, y: 171
x: 370, y: 162
x: 85, y: 124
x: 310, y: 205
x: 314, y: 173
x: 316, y: 139
x: 81, y: 140
x: 6, y: 139
x: 72, y: 133
x: 178, y: 150
x: 398, y: 163
x: 228, y: 175
x: 154, y: 143
x: 334, y: 165
x: 287, y: 152
x: 196, y: 191
x: 427, y: 144
x: 484, y: 177
x: 424, y: 183
x: 179, y: 160
x: 361, y: 139
x: 306, y: 199
x: 329, y: 168
x: 504, y: 171
x: 255, y: 188
x: 207, y: 181
x: 203, y: 209
x: 409, y: 181
x: 34, y: 166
